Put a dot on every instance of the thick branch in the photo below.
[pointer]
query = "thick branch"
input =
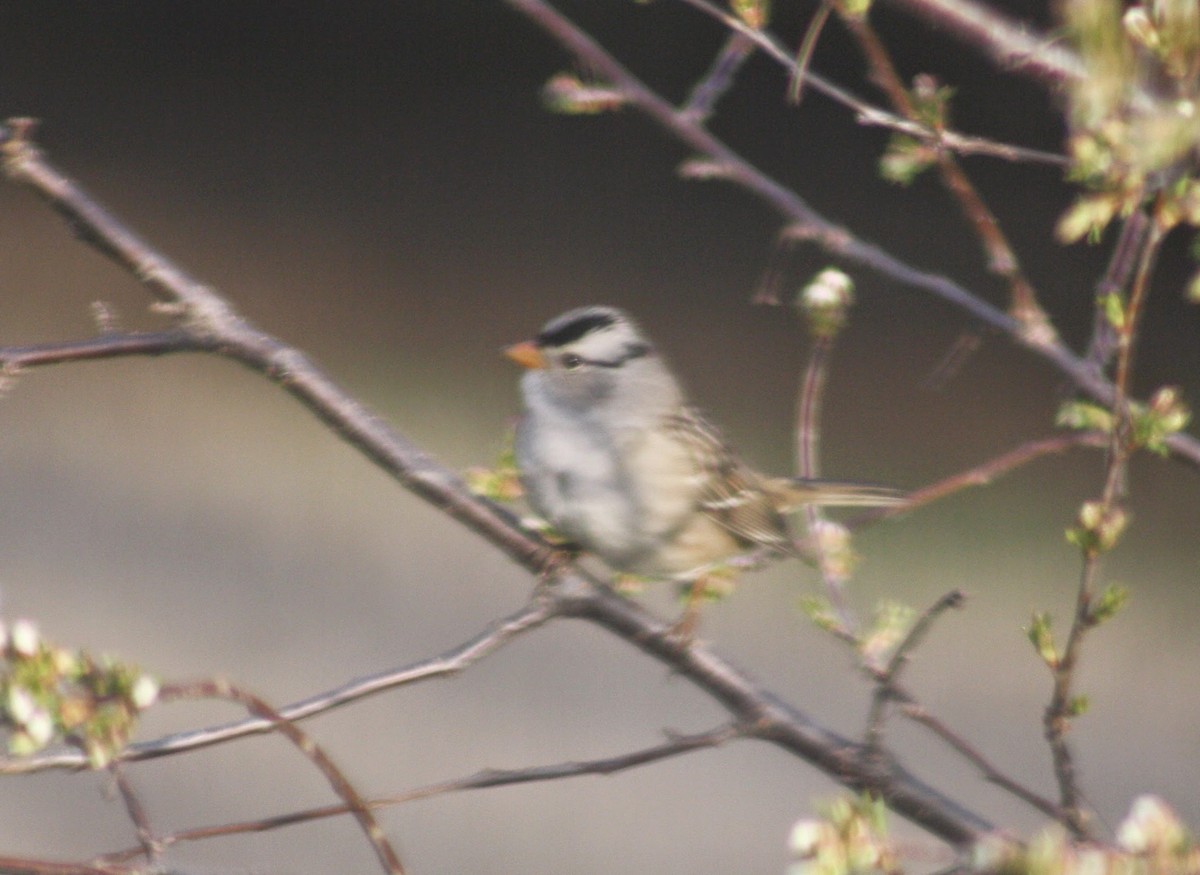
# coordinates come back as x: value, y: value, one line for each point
x: 1011, y: 45
x: 760, y: 714
x: 209, y: 320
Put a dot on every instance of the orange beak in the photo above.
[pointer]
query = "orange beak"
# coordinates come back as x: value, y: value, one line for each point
x: 527, y: 355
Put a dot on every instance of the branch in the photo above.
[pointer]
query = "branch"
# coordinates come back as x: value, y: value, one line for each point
x: 209, y: 321
x: 1011, y: 45
x: 25, y: 866
x: 570, y: 594
x: 149, y: 845
x: 1094, y: 541
x: 702, y: 101
x: 888, y: 679
x: 984, y: 473
x: 865, y: 112
x: 918, y: 714
x: 353, y: 801
x: 13, y: 359
x: 532, y: 615
x: 675, y: 745
x: 1001, y: 259
x: 767, y: 717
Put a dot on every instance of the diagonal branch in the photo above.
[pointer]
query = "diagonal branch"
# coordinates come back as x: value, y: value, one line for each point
x: 530, y: 616
x: 867, y: 113
x: 211, y: 322
x: 351, y: 798
x: 758, y: 712
x: 1011, y: 45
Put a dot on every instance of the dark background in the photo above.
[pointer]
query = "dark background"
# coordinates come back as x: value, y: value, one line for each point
x: 379, y: 184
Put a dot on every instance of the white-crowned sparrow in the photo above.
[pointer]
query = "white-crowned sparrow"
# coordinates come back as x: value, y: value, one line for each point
x: 612, y: 456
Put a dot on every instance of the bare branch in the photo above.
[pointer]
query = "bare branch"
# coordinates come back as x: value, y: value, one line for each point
x: 702, y: 101
x: 345, y: 791
x: 919, y: 714
x: 148, y: 842
x: 26, y: 866
x: 887, y: 680
x: 1011, y: 45
x: 865, y: 112
x: 209, y: 319
x: 453, y: 661
x: 15, y: 358
x: 675, y: 745
x: 985, y: 473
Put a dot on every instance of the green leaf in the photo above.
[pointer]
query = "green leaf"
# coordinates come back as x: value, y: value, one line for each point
x: 905, y: 159
x: 568, y: 94
x: 1100, y: 527
x: 1084, y: 416
x: 1111, y: 600
x: 820, y: 612
x: 1088, y: 217
x: 1193, y: 288
x: 1078, y: 706
x: 1165, y: 415
x: 1113, y: 307
x: 890, y: 624
x: 754, y: 13
x: 1042, y: 639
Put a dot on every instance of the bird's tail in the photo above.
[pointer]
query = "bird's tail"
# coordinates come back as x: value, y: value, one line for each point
x: 794, y: 492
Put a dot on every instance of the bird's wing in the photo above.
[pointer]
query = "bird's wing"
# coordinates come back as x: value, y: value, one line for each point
x: 731, y: 493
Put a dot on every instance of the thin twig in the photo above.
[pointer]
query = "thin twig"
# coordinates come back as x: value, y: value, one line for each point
x: 1103, y: 343
x: 150, y: 845
x: 808, y: 415
x: 353, y: 801
x: 865, y: 112
x: 804, y: 54
x: 1001, y: 259
x: 1059, y: 711
x: 455, y: 660
x: 675, y: 745
x: 918, y: 714
x: 702, y: 101
x: 27, y: 866
x: 105, y: 346
x: 982, y: 474
x: 887, y: 680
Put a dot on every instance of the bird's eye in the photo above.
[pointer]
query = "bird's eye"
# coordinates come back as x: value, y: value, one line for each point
x: 571, y: 362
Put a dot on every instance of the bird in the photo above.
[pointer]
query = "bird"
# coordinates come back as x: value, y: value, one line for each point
x: 612, y: 455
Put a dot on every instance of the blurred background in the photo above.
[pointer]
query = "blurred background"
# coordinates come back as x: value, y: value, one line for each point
x: 379, y: 184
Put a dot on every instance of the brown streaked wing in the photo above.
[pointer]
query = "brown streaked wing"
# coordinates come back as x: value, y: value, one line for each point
x: 731, y: 493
